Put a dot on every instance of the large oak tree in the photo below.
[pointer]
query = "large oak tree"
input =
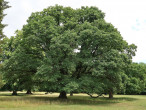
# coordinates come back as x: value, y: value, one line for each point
x: 77, y: 50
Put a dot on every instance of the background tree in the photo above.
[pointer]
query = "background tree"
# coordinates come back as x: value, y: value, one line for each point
x: 9, y: 46
x: 136, y: 78
x: 22, y: 64
x: 3, y: 6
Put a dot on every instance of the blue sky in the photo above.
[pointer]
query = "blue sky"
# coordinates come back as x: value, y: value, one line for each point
x: 129, y: 16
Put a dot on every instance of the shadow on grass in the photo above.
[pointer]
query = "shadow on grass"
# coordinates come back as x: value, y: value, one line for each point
x: 83, y: 100
x: 73, y: 100
x: 10, y: 94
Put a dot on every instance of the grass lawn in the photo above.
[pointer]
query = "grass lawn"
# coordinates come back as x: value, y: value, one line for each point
x: 41, y: 101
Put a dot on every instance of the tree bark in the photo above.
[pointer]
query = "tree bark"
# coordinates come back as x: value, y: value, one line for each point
x: 14, y: 92
x: 29, y: 91
x: 63, y: 95
x: 110, y: 95
x: 71, y: 94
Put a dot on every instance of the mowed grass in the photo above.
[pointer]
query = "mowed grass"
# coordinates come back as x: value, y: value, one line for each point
x: 41, y: 101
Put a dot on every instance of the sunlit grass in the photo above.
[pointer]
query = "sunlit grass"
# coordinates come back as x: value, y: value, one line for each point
x: 41, y: 101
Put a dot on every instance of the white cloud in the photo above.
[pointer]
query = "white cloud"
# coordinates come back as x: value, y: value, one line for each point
x: 128, y: 16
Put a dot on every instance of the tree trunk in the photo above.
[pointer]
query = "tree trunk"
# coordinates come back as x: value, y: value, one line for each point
x: 14, y: 92
x: 46, y: 92
x: 28, y: 91
x: 71, y: 94
x: 63, y: 95
x: 110, y: 95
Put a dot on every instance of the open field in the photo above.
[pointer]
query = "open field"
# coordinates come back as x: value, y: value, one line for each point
x: 40, y: 101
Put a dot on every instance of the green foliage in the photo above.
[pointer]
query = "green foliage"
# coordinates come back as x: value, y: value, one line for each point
x: 22, y: 64
x: 8, y: 69
x: 3, y: 6
x: 137, y: 80
x: 103, y: 55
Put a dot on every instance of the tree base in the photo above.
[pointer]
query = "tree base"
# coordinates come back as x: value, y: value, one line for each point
x: 110, y: 95
x: 14, y: 93
x: 62, y: 95
x: 29, y: 92
x: 46, y: 93
x: 71, y: 94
